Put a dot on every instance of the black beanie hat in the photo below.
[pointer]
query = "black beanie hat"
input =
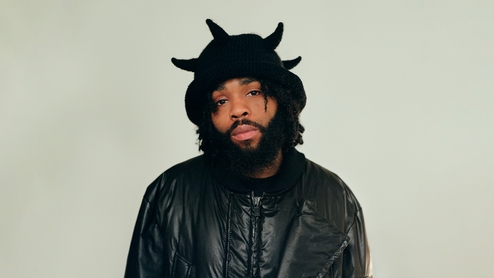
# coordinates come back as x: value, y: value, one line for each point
x: 227, y: 57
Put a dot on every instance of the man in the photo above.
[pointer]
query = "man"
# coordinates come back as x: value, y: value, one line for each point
x: 251, y: 205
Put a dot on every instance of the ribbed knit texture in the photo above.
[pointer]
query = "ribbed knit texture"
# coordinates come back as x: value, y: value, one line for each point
x: 227, y: 57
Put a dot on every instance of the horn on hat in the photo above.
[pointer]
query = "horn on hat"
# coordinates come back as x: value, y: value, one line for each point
x: 290, y: 64
x: 218, y: 33
x: 272, y: 41
x: 188, y: 65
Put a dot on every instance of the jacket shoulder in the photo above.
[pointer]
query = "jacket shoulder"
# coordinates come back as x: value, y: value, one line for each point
x: 320, y: 182
x: 176, y: 177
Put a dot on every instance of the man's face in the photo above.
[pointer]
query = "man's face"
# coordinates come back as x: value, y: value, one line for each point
x: 242, y: 112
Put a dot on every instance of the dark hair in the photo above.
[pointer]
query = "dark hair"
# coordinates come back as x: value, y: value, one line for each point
x: 287, y: 106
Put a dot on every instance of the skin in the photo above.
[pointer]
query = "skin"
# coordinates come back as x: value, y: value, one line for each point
x: 242, y: 98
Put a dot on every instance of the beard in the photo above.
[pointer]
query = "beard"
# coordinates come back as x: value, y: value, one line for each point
x: 249, y: 160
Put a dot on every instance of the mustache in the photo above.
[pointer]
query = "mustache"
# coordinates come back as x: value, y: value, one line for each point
x: 245, y: 122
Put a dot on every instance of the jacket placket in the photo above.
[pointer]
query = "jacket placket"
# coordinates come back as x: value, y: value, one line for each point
x: 255, y: 235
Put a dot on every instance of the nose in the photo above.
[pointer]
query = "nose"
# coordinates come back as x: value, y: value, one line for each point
x: 239, y: 109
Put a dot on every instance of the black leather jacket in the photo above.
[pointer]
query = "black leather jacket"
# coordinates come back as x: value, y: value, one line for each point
x: 196, y: 222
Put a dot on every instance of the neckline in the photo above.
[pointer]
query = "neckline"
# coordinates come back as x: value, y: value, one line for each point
x: 290, y: 170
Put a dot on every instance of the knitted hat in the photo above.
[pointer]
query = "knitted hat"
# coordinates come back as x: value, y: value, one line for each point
x: 227, y: 57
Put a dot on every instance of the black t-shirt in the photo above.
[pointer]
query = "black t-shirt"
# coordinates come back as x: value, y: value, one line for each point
x: 260, y: 185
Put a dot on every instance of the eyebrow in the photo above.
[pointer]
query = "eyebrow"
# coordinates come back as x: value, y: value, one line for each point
x: 248, y: 80
x: 243, y: 81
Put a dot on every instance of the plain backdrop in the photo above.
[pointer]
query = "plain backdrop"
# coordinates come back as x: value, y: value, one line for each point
x: 400, y: 105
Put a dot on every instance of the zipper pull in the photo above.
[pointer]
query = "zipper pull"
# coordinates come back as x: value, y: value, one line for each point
x: 256, y: 209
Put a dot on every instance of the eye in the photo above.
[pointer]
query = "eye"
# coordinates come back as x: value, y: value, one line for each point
x: 254, y: 93
x: 220, y: 102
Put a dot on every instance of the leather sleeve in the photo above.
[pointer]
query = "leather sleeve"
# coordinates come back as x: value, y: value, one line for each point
x: 146, y: 255
x: 357, y: 260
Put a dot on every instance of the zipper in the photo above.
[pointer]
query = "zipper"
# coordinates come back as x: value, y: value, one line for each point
x: 256, y: 206
x: 255, y: 235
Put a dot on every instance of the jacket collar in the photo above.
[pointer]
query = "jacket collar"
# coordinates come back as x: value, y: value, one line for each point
x: 290, y: 171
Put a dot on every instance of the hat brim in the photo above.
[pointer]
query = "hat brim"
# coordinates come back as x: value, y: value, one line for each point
x: 196, y: 96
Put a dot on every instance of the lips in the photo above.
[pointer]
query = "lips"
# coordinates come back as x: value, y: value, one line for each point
x: 244, y: 132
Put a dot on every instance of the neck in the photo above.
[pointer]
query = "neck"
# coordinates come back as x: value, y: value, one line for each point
x: 269, y: 170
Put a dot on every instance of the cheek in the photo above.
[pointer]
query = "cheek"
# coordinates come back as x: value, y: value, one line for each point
x: 271, y: 108
x: 219, y: 122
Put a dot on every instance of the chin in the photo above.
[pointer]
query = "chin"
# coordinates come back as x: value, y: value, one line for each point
x: 247, y: 144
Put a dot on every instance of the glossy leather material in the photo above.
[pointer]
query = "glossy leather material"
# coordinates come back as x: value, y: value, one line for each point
x: 194, y: 222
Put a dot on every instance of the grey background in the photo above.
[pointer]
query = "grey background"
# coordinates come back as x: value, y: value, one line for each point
x: 400, y: 105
